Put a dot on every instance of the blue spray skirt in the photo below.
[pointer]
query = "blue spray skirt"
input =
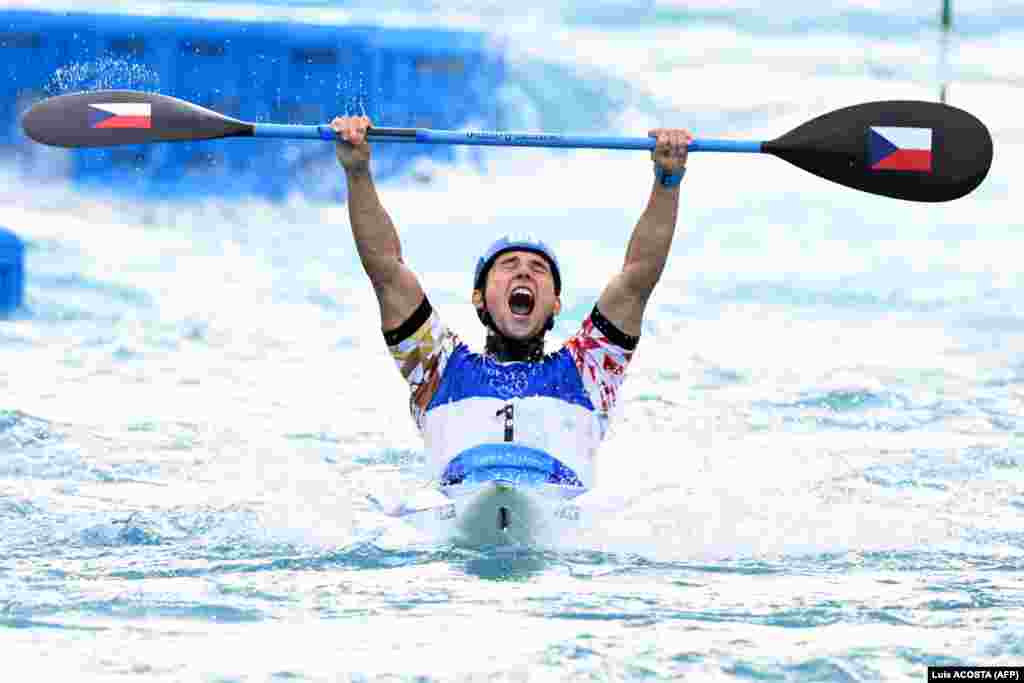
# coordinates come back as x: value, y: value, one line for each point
x: 508, y: 462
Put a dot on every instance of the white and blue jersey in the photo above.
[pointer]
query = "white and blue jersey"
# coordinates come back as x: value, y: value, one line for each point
x: 520, y: 421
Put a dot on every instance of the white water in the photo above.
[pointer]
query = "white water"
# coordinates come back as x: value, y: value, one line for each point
x: 819, y: 447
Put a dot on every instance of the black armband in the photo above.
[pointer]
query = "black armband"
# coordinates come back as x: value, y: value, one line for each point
x: 413, y: 323
x: 614, y: 334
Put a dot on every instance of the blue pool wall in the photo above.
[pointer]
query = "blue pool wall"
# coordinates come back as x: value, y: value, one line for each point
x: 279, y: 72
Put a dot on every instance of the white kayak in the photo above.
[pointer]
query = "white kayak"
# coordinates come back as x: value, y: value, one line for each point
x: 494, y: 513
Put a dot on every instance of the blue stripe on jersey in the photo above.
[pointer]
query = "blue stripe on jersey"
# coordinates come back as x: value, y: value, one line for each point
x: 473, y: 375
x: 507, y: 462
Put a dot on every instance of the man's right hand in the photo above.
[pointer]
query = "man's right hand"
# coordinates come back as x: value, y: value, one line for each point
x: 352, y: 148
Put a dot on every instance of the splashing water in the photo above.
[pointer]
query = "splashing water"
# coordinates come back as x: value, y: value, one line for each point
x: 104, y: 73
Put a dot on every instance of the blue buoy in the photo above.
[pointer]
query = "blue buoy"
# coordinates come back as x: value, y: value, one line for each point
x: 12, y: 272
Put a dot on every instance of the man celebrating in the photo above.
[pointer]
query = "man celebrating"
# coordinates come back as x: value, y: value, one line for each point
x: 512, y: 413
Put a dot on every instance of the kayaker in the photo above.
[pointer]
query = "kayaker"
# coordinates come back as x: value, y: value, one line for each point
x: 512, y: 412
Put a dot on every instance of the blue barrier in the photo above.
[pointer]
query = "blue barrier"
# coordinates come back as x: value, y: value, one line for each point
x: 319, y: 66
x: 12, y: 272
x: 30, y: 53
x: 256, y: 71
x: 434, y: 79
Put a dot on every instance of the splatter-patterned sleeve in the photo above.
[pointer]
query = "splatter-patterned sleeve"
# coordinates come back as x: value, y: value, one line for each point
x: 601, y: 352
x: 421, y: 347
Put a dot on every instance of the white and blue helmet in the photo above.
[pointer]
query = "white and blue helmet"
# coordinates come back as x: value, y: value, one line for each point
x: 516, y: 243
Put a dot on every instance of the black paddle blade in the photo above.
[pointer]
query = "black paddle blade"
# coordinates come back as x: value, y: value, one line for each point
x: 104, y: 118
x: 921, y: 151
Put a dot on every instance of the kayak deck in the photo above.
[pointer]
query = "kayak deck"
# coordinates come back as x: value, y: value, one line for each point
x: 493, y: 513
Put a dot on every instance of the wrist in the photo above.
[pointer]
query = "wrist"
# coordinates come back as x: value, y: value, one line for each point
x: 666, y: 178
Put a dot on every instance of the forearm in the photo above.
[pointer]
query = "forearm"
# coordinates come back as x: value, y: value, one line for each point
x: 376, y: 238
x: 652, y: 237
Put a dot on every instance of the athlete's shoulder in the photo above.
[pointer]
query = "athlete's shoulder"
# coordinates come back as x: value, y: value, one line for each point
x: 598, y: 331
x: 601, y: 353
x: 421, y: 348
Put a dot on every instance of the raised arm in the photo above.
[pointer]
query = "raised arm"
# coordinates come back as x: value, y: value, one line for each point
x: 398, y: 291
x: 624, y: 299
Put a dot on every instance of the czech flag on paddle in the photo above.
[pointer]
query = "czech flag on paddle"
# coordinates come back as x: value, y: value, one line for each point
x: 895, y: 148
x: 121, y: 115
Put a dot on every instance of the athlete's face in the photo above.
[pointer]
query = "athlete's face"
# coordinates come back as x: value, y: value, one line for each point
x: 520, y: 294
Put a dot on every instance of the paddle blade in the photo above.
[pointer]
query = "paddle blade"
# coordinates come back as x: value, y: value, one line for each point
x: 104, y: 118
x: 921, y: 151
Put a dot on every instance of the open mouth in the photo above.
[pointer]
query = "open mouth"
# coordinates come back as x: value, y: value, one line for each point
x: 520, y: 301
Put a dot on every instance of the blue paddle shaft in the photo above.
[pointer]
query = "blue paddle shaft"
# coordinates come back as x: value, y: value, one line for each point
x: 449, y: 137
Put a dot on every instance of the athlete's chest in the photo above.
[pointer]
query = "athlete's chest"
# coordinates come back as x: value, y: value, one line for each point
x: 472, y: 375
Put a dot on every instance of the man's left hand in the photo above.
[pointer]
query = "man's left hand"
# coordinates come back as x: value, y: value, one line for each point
x: 671, y: 148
